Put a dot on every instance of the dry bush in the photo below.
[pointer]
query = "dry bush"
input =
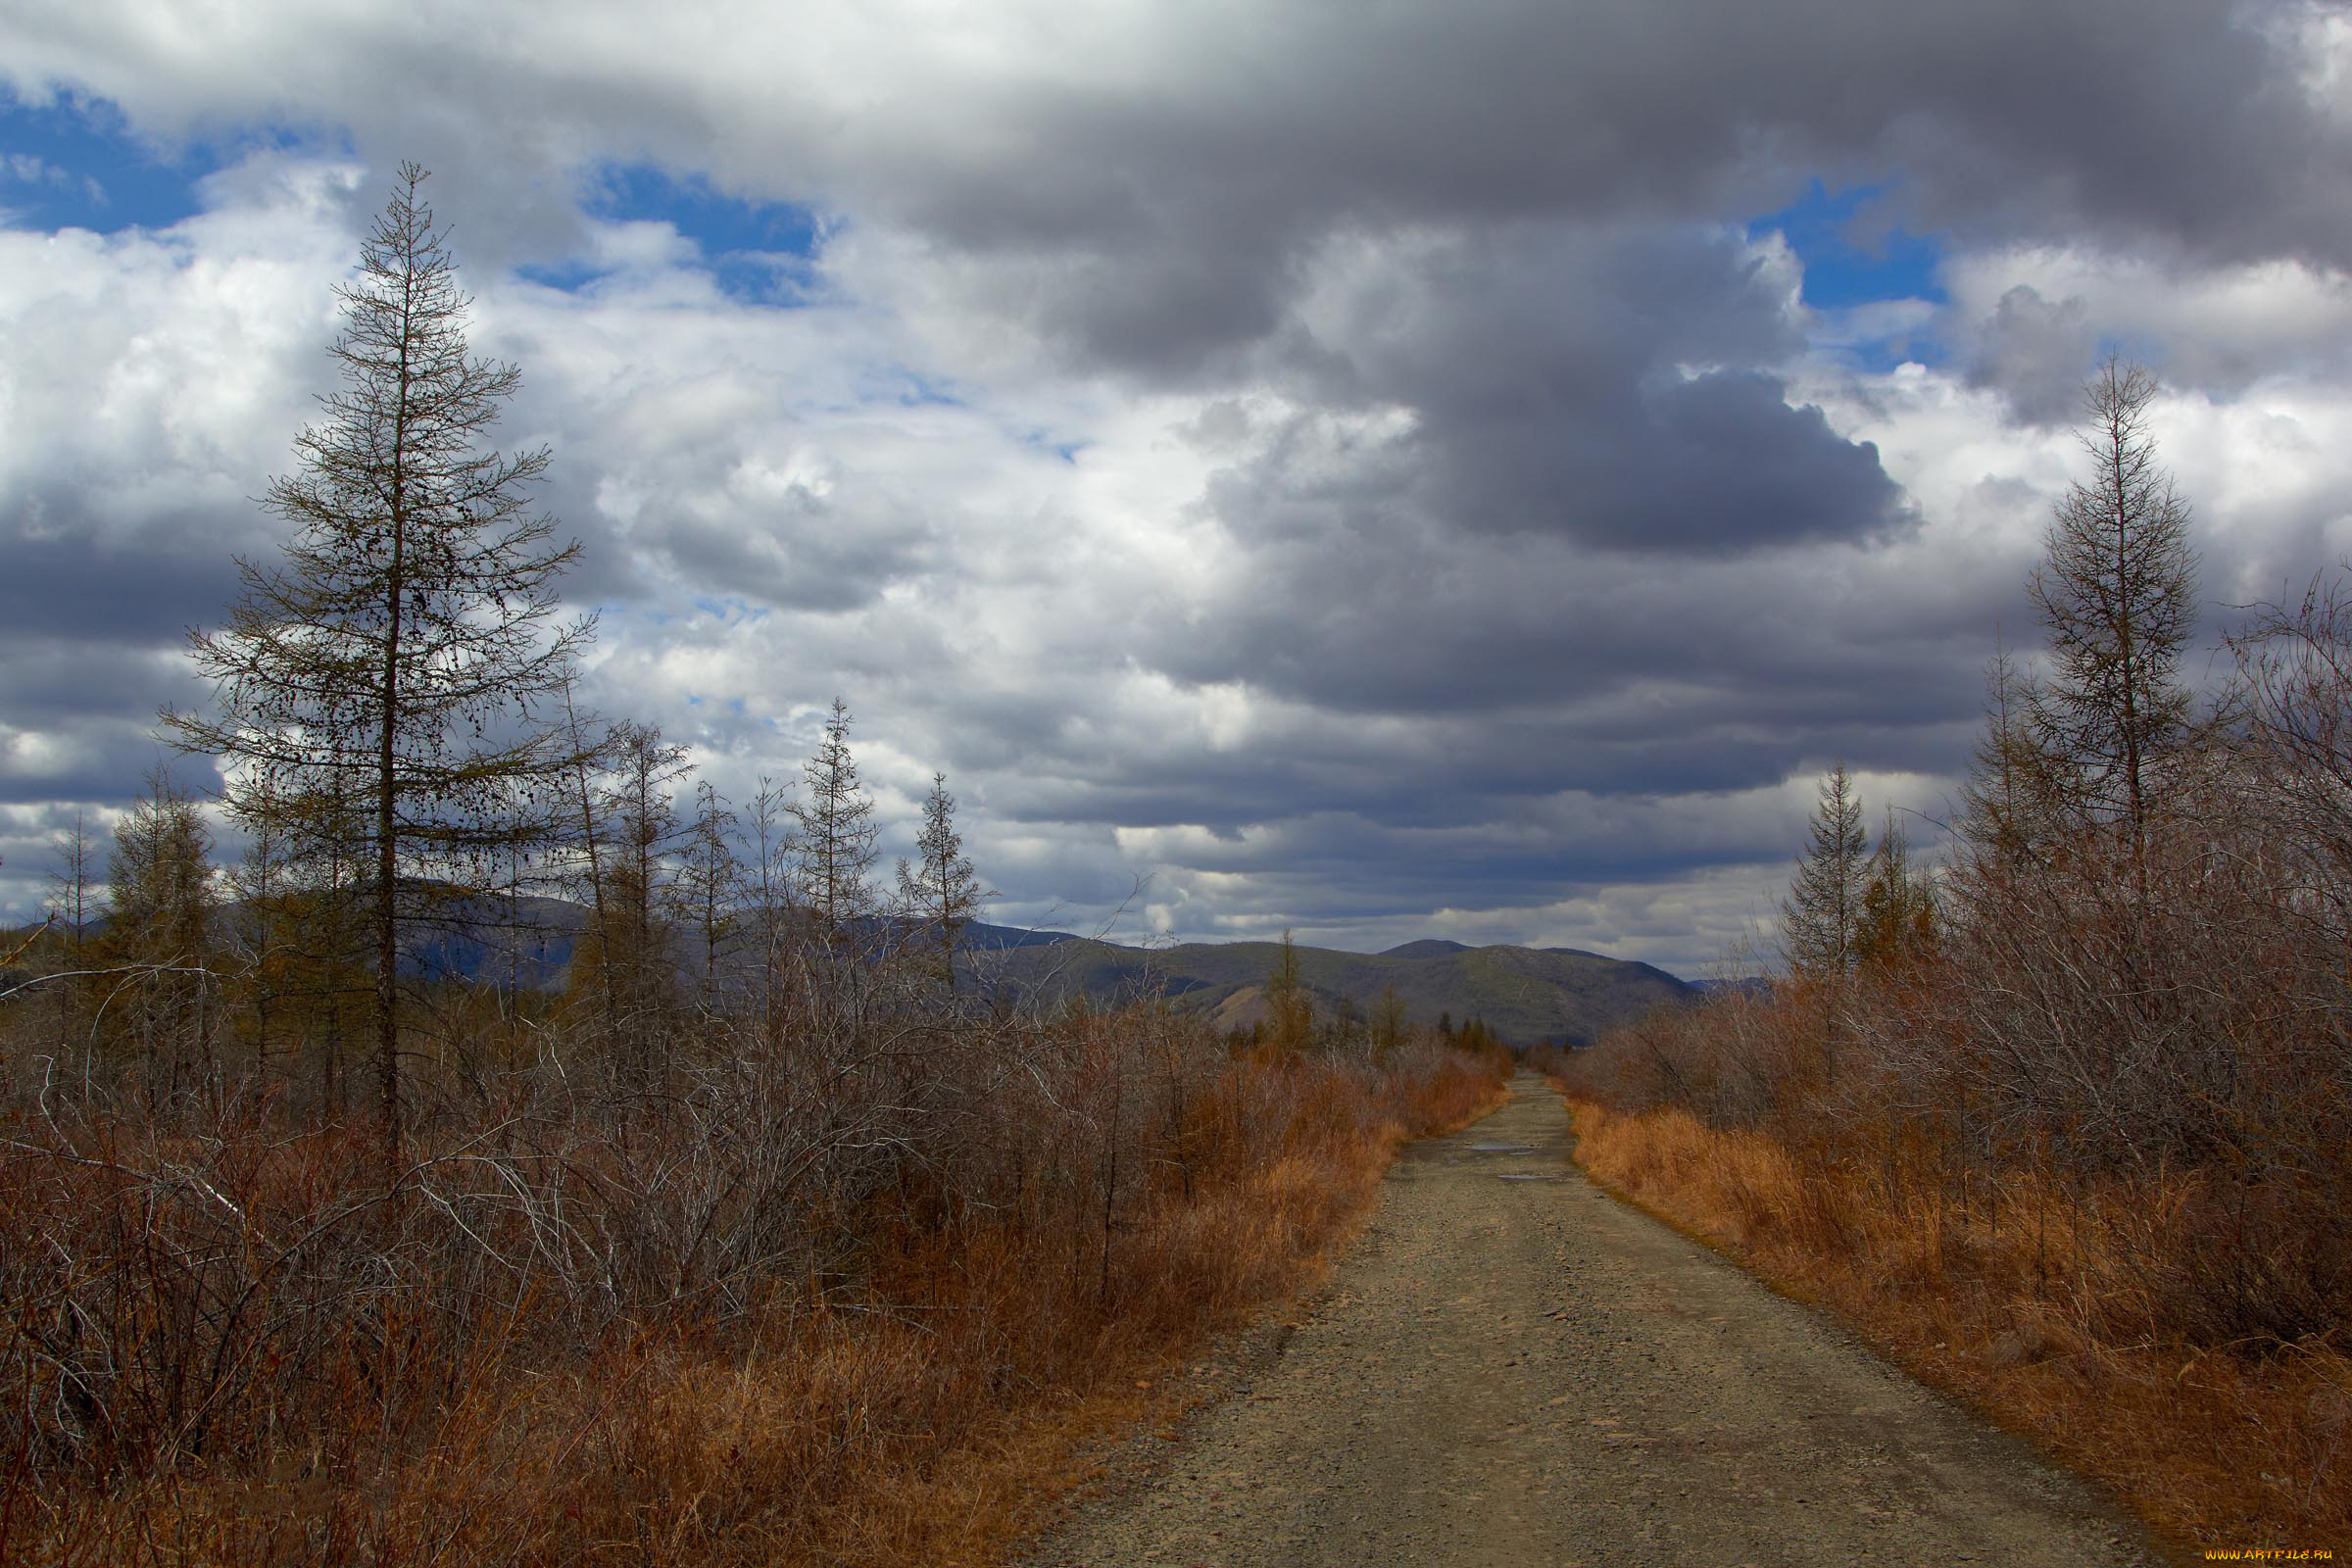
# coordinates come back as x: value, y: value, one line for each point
x: 838, y: 1286
x: 2084, y: 1149
x: 2087, y: 1155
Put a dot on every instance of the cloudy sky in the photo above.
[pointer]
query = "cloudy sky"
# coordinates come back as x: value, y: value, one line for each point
x: 1382, y: 469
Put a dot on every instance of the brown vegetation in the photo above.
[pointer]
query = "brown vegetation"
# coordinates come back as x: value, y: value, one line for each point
x: 2070, y: 1127
x: 844, y: 1299
x: 2078, y: 1146
x: 2015, y: 1307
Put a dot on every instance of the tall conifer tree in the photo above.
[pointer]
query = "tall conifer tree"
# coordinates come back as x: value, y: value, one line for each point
x: 1820, y: 916
x: 2118, y: 593
x: 400, y: 659
x: 834, y: 849
x: 942, y: 894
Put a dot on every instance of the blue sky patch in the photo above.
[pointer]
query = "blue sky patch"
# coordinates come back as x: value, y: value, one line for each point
x: 1851, y: 255
x: 75, y: 164
x: 756, y: 251
x: 568, y: 277
x: 720, y: 224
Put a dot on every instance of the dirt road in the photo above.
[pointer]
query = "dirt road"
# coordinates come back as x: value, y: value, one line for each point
x: 1511, y: 1368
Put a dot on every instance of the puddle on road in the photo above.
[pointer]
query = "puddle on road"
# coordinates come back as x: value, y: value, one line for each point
x: 1502, y: 1148
x: 1527, y: 1176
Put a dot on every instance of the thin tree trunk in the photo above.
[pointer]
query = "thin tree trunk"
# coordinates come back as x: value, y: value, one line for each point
x: 387, y: 936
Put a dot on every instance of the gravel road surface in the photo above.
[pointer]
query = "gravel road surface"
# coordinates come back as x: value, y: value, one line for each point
x: 1511, y: 1368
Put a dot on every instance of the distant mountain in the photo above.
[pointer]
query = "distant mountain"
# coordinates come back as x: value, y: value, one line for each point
x: 528, y: 943
x: 1746, y: 985
x: 983, y: 937
x: 1425, y: 948
x: 1525, y: 994
x: 475, y: 941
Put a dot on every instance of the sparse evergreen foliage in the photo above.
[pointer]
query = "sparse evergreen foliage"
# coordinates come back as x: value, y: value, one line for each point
x: 710, y: 883
x: 1290, y: 1010
x: 267, y: 929
x: 638, y: 826
x: 769, y: 873
x: 2014, y: 795
x: 834, y: 849
x: 1897, y: 919
x: 1820, y: 918
x: 942, y: 894
x: 1391, y: 1026
x: 160, y: 884
x: 160, y: 876
x: 228, y: 1332
x: 2096, y: 1070
x: 1479, y: 1039
x: 400, y: 658
x: 2118, y: 593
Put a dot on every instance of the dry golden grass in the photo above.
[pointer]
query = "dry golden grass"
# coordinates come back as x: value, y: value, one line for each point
x: 2025, y: 1312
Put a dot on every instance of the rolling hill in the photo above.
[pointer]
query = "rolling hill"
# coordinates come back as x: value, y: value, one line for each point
x: 1525, y: 994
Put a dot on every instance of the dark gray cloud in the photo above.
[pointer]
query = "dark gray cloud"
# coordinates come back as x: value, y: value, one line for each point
x: 1158, y: 231
x: 94, y: 612
x: 69, y: 586
x: 1363, y: 594
x: 1147, y: 187
x: 1595, y: 386
x: 1716, y: 463
x: 99, y: 763
x: 67, y: 681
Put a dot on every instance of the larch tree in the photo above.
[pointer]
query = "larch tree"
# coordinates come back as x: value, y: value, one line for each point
x: 2118, y: 593
x: 158, y: 882
x: 400, y: 659
x: 1392, y: 1024
x: 767, y: 874
x: 940, y: 894
x: 709, y: 882
x: 2015, y: 786
x: 1290, y: 1011
x: 1820, y: 918
x: 638, y: 829
x: 74, y: 903
x: 1897, y: 919
x: 834, y: 845
x: 265, y: 923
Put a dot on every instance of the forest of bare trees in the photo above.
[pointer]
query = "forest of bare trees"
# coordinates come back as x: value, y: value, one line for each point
x: 521, y: 1152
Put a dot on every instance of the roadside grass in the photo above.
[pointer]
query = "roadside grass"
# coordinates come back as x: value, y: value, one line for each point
x: 2019, y: 1298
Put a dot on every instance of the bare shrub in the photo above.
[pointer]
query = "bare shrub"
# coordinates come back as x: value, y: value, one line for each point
x: 890, y: 1212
